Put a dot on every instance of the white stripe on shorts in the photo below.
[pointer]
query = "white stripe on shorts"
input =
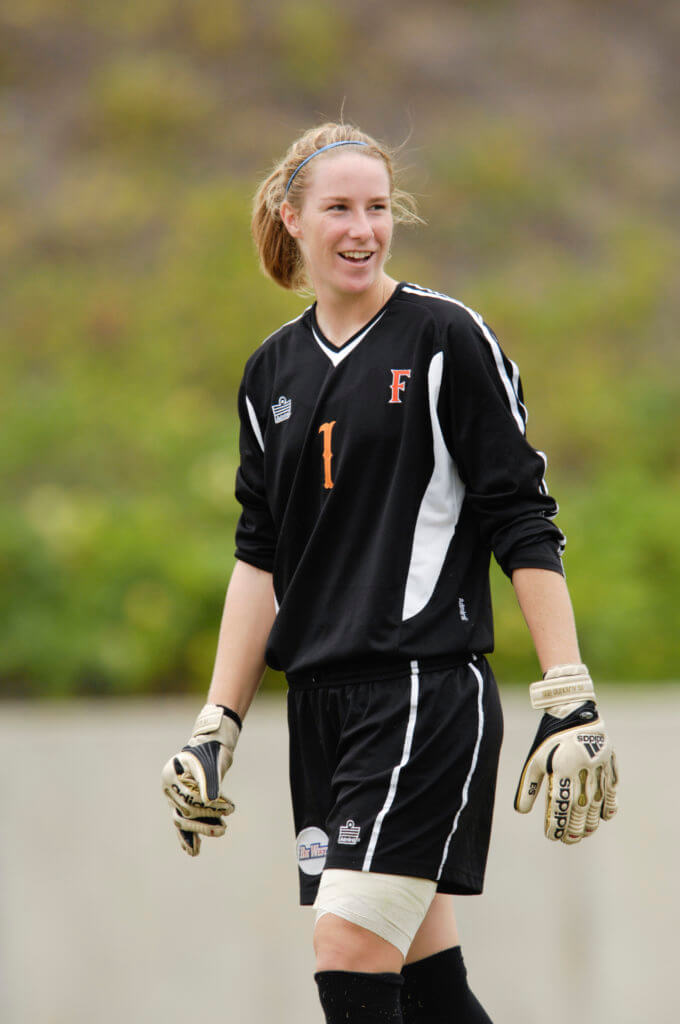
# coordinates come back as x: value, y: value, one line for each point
x: 405, y: 755
x: 473, y: 765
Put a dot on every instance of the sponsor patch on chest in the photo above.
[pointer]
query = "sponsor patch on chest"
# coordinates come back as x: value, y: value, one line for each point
x: 282, y: 409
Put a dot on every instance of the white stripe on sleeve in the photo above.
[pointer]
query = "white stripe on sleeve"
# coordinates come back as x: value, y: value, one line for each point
x: 254, y: 424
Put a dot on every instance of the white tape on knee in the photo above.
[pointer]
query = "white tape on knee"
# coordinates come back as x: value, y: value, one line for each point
x: 391, y: 906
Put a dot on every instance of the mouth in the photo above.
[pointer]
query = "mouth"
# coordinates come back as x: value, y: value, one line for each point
x: 358, y: 257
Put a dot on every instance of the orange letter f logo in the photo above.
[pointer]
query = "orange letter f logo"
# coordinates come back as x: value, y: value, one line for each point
x: 397, y: 385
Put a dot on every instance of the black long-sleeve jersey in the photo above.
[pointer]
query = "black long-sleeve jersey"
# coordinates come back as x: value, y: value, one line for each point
x: 376, y: 478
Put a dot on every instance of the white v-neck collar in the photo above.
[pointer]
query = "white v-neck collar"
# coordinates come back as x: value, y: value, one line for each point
x: 336, y: 355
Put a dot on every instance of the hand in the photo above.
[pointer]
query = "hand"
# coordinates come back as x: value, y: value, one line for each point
x: 192, y: 778
x: 573, y: 749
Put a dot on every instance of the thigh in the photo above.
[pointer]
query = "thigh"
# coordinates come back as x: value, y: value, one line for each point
x: 438, y: 931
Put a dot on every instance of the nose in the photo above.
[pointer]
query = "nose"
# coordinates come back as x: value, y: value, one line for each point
x: 360, y: 226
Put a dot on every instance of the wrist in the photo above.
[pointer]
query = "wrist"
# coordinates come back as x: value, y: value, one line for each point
x: 217, y: 722
x: 230, y: 713
x: 562, y: 686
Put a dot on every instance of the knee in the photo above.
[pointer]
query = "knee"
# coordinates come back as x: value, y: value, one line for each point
x: 367, y: 921
x: 341, y: 945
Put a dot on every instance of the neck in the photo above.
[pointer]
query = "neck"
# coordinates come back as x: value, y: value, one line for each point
x: 341, y: 315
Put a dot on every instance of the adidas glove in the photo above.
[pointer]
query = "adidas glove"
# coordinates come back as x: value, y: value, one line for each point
x: 192, y: 778
x: 572, y: 748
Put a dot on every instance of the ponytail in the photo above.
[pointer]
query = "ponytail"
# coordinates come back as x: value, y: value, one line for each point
x: 280, y: 257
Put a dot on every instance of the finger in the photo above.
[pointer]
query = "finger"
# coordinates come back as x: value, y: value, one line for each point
x: 582, y: 795
x: 178, y: 783
x: 202, y: 762
x: 207, y: 825
x: 595, y: 808
x: 529, y: 785
x: 182, y: 790
x: 189, y: 841
x: 558, y: 806
x: 611, y: 780
x: 571, y: 838
x: 221, y: 808
x: 183, y: 774
x: 193, y: 807
x: 194, y: 768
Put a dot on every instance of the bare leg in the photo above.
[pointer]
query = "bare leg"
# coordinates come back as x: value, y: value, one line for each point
x: 438, y: 931
x: 358, y: 973
x: 435, y: 987
x: 341, y: 945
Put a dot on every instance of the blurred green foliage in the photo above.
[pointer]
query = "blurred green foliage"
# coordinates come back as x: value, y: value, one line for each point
x: 131, y: 299
x: 312, y: 38
x: 150, y: 100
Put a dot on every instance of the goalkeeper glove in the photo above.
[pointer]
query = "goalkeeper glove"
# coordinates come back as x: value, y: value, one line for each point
x: 192, y: 778
x: 573, y: 749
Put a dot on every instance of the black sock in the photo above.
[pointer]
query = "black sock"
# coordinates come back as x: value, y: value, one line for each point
x: 436, y: 992
x: 348, y: 997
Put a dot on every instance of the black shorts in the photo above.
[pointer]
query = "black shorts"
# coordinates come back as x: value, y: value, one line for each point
x: 396, y: 773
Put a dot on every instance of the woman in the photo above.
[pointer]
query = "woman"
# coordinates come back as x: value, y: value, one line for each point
x: 383, y: 457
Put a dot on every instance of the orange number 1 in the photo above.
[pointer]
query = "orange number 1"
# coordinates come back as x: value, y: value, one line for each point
x: 327, y: 429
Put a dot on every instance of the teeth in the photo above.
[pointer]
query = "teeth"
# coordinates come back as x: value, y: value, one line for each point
x: 355, y: 255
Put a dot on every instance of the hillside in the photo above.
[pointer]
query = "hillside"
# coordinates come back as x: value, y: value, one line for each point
x: 542, y: 143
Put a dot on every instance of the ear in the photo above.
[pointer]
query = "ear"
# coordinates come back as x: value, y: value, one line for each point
x: 291, y: 219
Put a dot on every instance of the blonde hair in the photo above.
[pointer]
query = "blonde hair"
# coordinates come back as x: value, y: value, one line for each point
x: 280, y: 256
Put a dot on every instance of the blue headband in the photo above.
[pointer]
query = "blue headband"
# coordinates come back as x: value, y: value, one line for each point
x: 331, y: 145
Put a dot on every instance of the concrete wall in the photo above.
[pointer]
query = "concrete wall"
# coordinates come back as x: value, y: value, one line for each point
x: 105, y: 920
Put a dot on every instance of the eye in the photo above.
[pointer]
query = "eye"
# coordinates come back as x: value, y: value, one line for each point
x: 338, y: 206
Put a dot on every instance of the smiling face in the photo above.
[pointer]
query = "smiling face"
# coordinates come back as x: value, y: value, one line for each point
x: 344, y: 227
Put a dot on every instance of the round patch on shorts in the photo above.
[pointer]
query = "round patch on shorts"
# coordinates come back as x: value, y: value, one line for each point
x: 312, y: 847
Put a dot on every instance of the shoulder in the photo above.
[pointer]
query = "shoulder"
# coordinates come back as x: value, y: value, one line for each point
x: 461, y: 328
x: 474, y: 357
x: 443, y: 308
x: 275, y: 347
x: 285, y: 332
